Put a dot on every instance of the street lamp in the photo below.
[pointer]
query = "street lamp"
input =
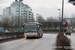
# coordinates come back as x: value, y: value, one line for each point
x: 19, y: 17
x: 59, y: 18
x: 36, y: 17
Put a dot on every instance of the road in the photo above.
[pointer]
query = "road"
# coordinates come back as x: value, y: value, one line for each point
x: 47, y: 42
x: 72, y: 38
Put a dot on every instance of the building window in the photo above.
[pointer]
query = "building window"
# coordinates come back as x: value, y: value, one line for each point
x: 25, y: 16
x: 17, y: 14
x: 9, y: 10
x: 17, y: 11
x: 17, y: 8
x: 21, y: 16
x: 24, y: 13
x: 9, y: 13
x: 29, y: 16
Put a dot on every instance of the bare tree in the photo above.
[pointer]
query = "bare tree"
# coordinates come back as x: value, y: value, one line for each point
x: 32, y: 20
x: 51, y: 19
x: 73, y: 20
x: 40, y: 19
x: 72, y: 16
x: 48, y: 19
x: 5, y: 22
x: 1, y: 24
x: 12, y: 21
x: 55, y: 25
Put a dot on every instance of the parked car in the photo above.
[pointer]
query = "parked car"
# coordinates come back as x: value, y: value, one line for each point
x: 68, y: 32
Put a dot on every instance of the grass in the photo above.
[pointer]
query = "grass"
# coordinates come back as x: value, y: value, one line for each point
x: 50, y: 31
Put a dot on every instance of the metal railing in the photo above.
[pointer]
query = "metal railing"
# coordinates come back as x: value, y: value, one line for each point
x: 9, y: 35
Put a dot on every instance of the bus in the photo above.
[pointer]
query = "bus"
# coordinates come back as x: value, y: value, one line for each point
x: 33, y: 29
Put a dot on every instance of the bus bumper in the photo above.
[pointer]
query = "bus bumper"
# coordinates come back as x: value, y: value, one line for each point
x: 30, y: 36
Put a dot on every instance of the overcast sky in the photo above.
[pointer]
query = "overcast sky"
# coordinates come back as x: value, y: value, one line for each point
x: 46, y: 8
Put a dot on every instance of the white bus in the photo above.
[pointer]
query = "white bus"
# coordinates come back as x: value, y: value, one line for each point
x: 33, y: 29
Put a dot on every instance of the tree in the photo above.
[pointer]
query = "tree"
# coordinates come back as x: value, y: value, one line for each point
x: 13, y: 21
x: 1, y: 24
x: 5, y: 22
x: 51, y: 19
x: 48, y: 19
x: 32, y: 20
x: 72, y: 20
x: 40, y: 18
x: 55, y: 25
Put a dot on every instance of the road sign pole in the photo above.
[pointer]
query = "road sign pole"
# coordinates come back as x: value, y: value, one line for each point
x: 62, y: 16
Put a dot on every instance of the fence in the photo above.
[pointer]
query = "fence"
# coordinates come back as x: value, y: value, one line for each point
x: 9, y: 35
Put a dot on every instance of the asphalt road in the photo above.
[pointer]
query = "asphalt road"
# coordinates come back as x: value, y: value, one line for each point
x: 47, y: 42
x: 72, y: 38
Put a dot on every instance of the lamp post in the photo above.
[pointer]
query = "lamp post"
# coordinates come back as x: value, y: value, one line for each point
x: 36, y: 17
x: 62, y: 16
x: 59, y: 18
x: 19, y: 17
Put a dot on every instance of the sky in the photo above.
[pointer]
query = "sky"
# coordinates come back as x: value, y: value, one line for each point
x: 45, y: 8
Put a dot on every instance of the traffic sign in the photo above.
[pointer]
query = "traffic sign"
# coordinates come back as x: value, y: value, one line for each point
x: 72, y: 1
x: 64, y: 22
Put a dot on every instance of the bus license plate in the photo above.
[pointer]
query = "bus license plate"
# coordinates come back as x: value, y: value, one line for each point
x: 30, y: 36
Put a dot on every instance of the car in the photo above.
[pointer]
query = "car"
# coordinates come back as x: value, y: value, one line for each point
x: 68, y: 32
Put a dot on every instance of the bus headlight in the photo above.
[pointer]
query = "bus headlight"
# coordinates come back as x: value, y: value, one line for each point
x: 25, y: 36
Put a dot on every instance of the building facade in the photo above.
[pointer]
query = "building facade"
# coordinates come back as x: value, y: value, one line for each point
x: 1, y: 18
x: 19, y: 9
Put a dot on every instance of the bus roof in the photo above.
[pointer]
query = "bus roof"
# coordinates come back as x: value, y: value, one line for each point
x: 33, y: 23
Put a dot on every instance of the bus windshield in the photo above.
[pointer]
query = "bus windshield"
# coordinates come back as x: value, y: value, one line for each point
x: 30, y: 28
